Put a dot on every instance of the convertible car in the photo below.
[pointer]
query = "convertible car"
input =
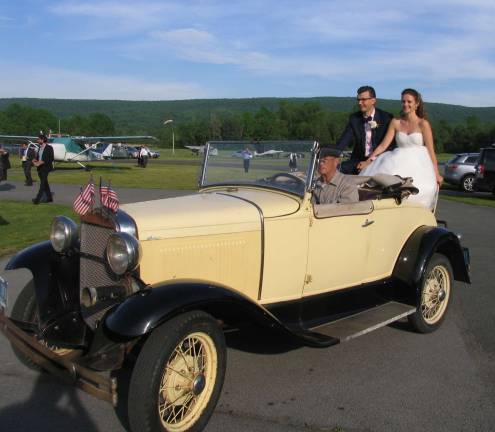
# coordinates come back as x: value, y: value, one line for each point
x: 154, y: 286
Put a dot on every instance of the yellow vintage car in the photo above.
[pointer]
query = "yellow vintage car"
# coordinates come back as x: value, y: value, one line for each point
x: 154, y: 286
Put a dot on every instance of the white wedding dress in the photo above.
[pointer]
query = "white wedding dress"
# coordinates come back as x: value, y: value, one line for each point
x: 409, y: 159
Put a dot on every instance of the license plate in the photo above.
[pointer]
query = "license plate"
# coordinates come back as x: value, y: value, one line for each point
x: 3, y: 293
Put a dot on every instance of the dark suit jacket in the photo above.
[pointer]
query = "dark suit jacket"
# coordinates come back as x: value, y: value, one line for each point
x: 354, y: 133
x: 4, y: 161
x: 47, y: 157
x: 30, y: 155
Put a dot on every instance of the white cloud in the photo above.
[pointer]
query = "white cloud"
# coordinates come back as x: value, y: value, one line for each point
x: 62, y: 83
x: 143, y: 12
x: 186, y: 36
x: 304, y: 45
x: 195, y: 45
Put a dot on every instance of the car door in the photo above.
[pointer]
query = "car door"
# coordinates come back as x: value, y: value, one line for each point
x: 338, y: 247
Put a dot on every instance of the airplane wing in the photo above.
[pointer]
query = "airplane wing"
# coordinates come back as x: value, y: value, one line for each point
x: 19, y: 137
x: 113, y: 138
x: 195, y: 149
x: 269, y: 153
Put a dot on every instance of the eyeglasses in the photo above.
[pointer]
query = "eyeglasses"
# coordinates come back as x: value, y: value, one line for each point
x: 363, y: 99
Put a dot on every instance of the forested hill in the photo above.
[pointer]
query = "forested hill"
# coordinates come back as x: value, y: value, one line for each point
x: 148, y: 115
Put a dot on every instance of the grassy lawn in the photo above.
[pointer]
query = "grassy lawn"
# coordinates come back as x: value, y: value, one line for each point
x: 121, y: 174
x: 452, y: 193
x: 444, y: 157
x: 20, y: 226
x: 488, y: 202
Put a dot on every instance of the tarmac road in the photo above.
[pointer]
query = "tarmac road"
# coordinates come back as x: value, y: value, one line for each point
x: 389, y: 380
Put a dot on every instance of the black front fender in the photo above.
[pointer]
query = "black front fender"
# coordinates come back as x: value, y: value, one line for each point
x: 420, y: 247
x: 142, y: 312
x: 56, y: 278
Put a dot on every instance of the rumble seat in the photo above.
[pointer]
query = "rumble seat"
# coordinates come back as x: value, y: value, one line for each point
x: 379, y: 186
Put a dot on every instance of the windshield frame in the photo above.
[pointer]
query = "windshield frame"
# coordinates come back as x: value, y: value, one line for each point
x: 309, y: 181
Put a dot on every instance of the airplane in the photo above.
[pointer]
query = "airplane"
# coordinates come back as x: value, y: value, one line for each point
x: 77, y: 149
x: 268, y: 153
x: 197, y: 150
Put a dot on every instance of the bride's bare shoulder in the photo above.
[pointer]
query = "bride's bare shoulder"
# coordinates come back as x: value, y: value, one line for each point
x: 424, y: 124
x: 395, y: 122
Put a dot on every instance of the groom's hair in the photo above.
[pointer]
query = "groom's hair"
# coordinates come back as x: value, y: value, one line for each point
x: 368, y: 89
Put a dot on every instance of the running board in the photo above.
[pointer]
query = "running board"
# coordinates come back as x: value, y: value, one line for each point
x: 364, y: 322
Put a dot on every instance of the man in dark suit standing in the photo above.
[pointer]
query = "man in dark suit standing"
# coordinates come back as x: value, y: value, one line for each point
x: 27, y: 156
x: 365, y: 129
x: 44, y: 164
x: 4, y: 163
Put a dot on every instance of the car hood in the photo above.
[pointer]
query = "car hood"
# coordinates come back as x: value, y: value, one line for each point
x: 209, y: 212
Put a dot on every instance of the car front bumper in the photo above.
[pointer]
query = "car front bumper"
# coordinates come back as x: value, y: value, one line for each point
x: 90, y: 381
x: 66, y: 368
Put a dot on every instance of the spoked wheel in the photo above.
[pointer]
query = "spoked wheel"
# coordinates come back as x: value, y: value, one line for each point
x: 178, y: 376
x: 436, y: 291
x: 26, y: 309
x: 467, y: 183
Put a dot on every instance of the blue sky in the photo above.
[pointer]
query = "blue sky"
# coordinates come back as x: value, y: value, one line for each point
x: 167, y: 50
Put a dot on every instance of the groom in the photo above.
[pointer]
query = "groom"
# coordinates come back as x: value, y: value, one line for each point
x: 365, y: 129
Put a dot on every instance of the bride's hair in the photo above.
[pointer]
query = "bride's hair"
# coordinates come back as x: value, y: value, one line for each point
x: 420, y: 110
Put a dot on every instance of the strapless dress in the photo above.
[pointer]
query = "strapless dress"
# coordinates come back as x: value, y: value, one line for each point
x: 409, y: 159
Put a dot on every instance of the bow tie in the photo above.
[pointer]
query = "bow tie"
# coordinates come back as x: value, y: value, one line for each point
x: 367, y: 119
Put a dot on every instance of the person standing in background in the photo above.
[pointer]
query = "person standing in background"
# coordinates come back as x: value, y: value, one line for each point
x: 143, y: 156
x: 28, y: 154
x: 246, y: 159
x: 44, y: 165
x: 4, y: 163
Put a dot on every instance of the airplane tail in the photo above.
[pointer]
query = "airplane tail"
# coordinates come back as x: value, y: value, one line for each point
x: 108, y: 151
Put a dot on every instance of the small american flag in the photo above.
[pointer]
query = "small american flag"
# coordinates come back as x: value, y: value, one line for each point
x: 84, y: 201
x: 108, y: 198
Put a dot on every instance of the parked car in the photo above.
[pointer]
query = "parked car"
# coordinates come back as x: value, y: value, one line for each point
x: 460, y: 170
x: 485, y: 170
x: 132, y: 152
x: 154, y: 154
x: 154, y: 286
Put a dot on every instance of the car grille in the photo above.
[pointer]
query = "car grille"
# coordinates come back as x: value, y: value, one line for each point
x: 94, y: 270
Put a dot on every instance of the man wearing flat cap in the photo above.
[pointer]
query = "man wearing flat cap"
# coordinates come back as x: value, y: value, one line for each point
x: 332, y: 186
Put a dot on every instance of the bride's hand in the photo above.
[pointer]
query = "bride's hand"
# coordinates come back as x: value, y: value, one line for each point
x: 439, y: 180
x: 363, y: 164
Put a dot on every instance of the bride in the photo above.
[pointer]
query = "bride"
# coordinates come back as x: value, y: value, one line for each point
x: 414, y: 156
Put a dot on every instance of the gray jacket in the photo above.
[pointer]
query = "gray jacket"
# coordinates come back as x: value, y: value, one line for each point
x: 341, y: 189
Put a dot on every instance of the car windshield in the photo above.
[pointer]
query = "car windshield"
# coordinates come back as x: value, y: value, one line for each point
x: 281, y: 165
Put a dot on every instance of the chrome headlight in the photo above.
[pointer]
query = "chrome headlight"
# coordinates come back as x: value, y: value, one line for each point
x: 63, y: 234
x: 123, y: 252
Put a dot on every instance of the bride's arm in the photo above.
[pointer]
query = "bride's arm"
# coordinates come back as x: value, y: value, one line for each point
x: 428, y: 139
x: 380, y: 148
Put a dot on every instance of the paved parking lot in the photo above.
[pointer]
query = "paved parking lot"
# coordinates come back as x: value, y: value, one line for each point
x: 389, y: 380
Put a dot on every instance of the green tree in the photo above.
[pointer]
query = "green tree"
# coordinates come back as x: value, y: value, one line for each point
x: 18, y: 119
x: 99, y: 124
